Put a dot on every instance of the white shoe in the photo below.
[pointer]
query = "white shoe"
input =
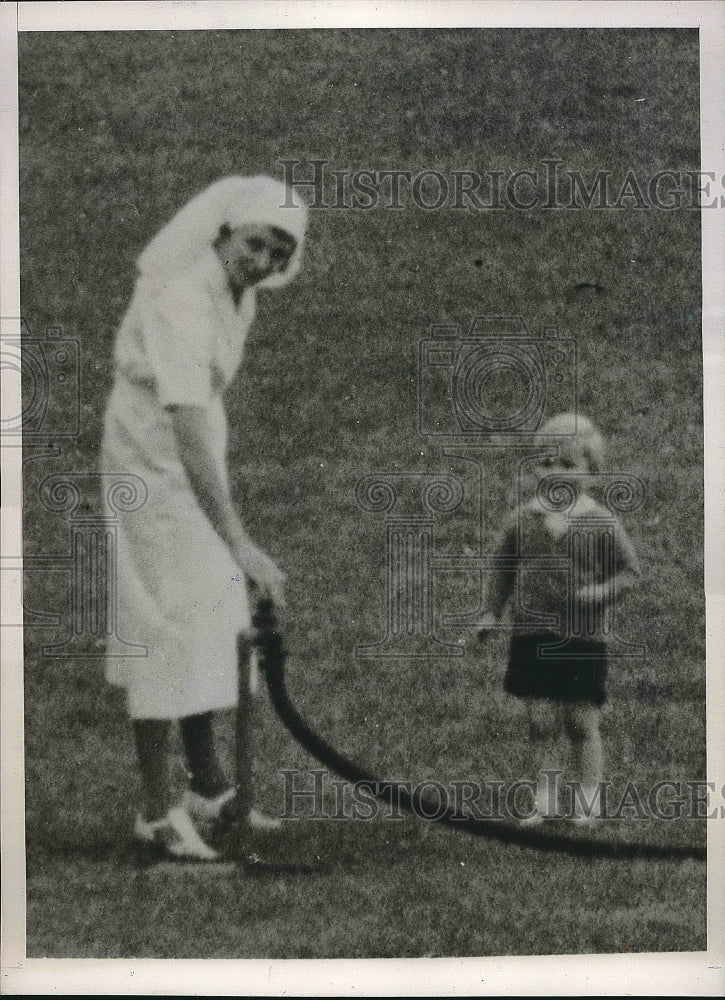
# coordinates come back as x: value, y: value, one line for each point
x: 260, y: 821
x: 581, y: 819
x: 588, y: 813
x: 175, y: 834
x: 535, y: 819
x: 205, y: 810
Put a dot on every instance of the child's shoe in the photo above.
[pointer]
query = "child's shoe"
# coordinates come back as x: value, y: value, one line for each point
x: 535, y: 819
x: 581, y: 818
x: 175, y: 836
x: 589, y: 816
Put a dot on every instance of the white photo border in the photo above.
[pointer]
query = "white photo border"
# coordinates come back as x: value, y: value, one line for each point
x: 698, y: 973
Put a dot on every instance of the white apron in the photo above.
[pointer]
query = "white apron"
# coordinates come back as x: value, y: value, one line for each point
x: 180, y: 594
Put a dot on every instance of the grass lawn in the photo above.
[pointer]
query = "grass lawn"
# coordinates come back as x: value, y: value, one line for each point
x: 116, y: 132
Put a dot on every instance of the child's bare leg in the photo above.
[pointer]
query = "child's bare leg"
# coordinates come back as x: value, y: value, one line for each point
x: 581, y: 721
x: 545, y: 729
x: 152, y: 737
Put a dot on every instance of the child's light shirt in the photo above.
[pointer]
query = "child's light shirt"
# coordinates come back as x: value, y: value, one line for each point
x: 550, y: 556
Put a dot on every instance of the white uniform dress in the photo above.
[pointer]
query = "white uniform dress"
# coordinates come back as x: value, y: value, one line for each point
x: 180, y: 594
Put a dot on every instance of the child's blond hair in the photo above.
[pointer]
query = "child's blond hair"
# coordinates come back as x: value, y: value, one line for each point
x: 579, y: 436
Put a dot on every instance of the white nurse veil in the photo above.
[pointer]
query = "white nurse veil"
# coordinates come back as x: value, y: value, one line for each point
x: 231, y: 201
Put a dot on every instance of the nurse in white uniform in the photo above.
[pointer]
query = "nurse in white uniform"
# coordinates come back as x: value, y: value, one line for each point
x: 184, y: 557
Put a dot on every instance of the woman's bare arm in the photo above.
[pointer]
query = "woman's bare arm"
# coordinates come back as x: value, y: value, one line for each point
x: 210, y: 484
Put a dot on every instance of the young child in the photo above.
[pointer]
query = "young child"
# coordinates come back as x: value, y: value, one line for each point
x: 184, y: 557
x: 567, y: 609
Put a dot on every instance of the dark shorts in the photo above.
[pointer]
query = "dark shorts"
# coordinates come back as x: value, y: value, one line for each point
x: 577, y: 673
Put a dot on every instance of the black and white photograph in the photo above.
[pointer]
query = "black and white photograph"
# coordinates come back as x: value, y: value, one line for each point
x: 359, y: 370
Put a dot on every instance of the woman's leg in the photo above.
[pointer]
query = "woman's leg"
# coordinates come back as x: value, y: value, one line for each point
x: 581, y: 721
x: 206, y: 774
x: 207, y: 777
x: 152, y: 737
x: 167, y: 827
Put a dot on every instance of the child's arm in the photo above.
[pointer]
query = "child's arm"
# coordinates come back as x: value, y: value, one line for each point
x: 627, y: 572
x: 501, y: 583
